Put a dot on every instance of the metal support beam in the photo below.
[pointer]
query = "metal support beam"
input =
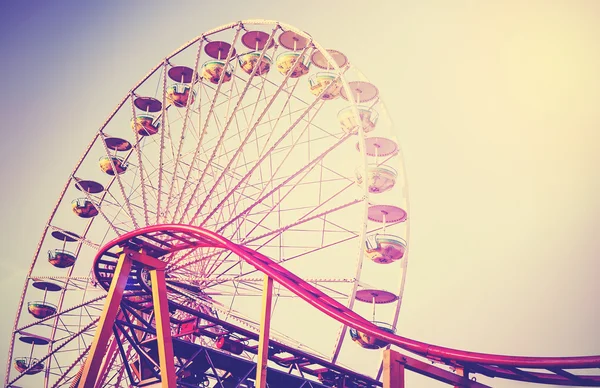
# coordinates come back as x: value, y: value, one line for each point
x: 394, y: 364
x: 105, y: 325
x: 163, y: 328
x: 107, y: 362
x: 263, y: 340
x: 393, y: 369
x: 111, y: 309
x: 439, y: 374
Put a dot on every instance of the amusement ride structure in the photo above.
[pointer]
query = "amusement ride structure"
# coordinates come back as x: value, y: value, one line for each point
x: 245, y: 192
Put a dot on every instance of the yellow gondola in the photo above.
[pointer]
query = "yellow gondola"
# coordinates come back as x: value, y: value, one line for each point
x: 212, y: 71
x: 179, y: 95
x: 41, y: 309
x: 327, y: 83
x: 368, y: 119
x: 145, y: 125
x: 385, y: 248
x: 249, y: 61
x: 379, y: 178
x: 23, y: 363
x: 286, y: 62
x: 84, y: 208
x: 370, y: 342
x: 106, y: 165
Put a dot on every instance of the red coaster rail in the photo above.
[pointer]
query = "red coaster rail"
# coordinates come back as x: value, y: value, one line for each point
x: 171, y: 238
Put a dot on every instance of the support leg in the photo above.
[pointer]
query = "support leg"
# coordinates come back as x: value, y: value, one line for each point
x: 163, y: 329
x: 105, y: 324
x: 393, y: 369
x: 107, y: 362
x: 263, y: 341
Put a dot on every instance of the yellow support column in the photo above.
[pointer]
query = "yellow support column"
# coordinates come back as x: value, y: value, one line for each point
x: 263, y: 340
x: 105, y: 324
x: 393, y: 369
x: 163, y: 328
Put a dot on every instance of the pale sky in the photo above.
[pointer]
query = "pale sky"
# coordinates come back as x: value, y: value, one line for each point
x: 496, y: 106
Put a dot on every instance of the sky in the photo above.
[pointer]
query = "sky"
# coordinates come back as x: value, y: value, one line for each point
x: 496, y: 106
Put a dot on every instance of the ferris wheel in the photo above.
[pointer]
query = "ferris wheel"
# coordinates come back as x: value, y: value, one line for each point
x: 255, y: 132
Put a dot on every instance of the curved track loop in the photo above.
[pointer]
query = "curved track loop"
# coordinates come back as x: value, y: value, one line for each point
x: 547, y: 370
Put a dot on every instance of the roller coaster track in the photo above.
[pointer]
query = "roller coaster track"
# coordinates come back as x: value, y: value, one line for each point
x: 160, y: 240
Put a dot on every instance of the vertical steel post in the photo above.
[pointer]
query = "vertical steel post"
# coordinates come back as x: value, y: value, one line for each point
x: 163, y: 328
x: 105, y: 324
x: 265, y: 326
x: 393, y: 369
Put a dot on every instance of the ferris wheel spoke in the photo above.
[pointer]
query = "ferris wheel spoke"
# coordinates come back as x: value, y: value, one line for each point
x: 218, y: 262
x: 211, y: 109
x: 222, y: 136
x: 314, y: 250
x: 308, y: 167
x: 233, y: 172
x: 250, y: 130
x: 127, y: 208
x: 141, y: 170
x: 186, y: 118
x: 162, y: 138
x: 263, y: 184
x: 285, y: 90
x: 301, y: 254
x: 183, y: 264
x: 248, y: 120
x: 173, y: 262
x: 198, y: 165
x: 147, y: 168
x: 64, y: 328
x: 254, y: 288
x: 283, y: 184
x: 178, y: 179
x: 354, y: 236
x: 132, y: 186
x: 195, y: 157
x: 247, y: 221
x: 98, y: 207
x: 326, y: 137
x: 183, y: 130
x: 231, y: 193
x: 281, y: 115
x: 120, y: 219
x: 120, y: 222
x: 117, y: 177
x: 267, y: 135
x: 169, y: 135
x: 263, y: 156
x: 261, y: 90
